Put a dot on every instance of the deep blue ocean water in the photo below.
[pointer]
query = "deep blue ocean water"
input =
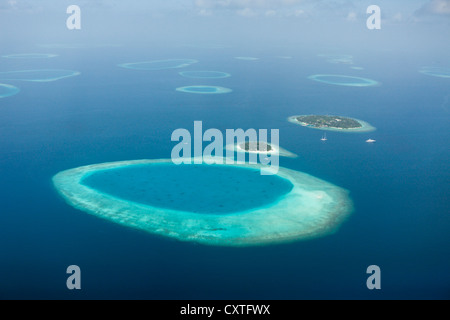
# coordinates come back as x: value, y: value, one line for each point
x: 399, y: 185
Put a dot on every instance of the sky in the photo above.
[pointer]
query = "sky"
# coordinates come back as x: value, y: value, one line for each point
x: 224, y: 20
x: 408, y: 9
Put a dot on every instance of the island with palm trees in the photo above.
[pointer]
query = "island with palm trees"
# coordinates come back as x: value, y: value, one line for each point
x: 332, y: 122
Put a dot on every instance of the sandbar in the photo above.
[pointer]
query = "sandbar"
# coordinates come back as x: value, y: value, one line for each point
x: 273, y: 150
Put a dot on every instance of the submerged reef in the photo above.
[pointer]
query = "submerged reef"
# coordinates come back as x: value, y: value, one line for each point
x: 39, y: 75
x: 342, y: 80
x: 158, y: 64
x: 7, y: 90
x: 30, y: 56
x: 247, y: 58
x: 204, y: 89
x: 439, y: 72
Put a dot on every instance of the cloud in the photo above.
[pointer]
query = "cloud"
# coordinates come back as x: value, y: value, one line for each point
x: 246, y: 12
x: 270, y: 13
x: 435, y: 7
x: 351, y: 16
x: 9, y: 5
x: 398, y: 17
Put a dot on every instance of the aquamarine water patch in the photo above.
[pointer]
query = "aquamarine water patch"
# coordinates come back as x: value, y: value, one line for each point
x: 7, y: 90
x: 439, y: 72
x: 204, y: 74
x: 30, y: 56
x: 342, y: 80
x: 159, y: 64
x: 310, y: 208
x: 42, y: 75
x: 204, y: 89
x: 194, y: 188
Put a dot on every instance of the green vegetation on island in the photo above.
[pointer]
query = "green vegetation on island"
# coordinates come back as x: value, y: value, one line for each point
x: 319, y: 121
x: 256, y: 146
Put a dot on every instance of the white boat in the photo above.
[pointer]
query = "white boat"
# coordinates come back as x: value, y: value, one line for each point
x: 370, y: 141
x: 324, y: 137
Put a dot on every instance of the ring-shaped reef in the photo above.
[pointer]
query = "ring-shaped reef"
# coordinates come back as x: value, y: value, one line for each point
x: 342, y: 80
x: 259, y: 147
x: 30, y: 56
x: 159, y: 64
x: 7, y: 90
x: 332, y: 123
x: 200, y: 89
x: 42, y: 75
x: 439, y: 72
x: 204, y: 74
x: 288, y: 207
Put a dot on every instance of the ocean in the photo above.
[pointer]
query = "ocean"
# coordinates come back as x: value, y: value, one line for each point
x: 399, y: 185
